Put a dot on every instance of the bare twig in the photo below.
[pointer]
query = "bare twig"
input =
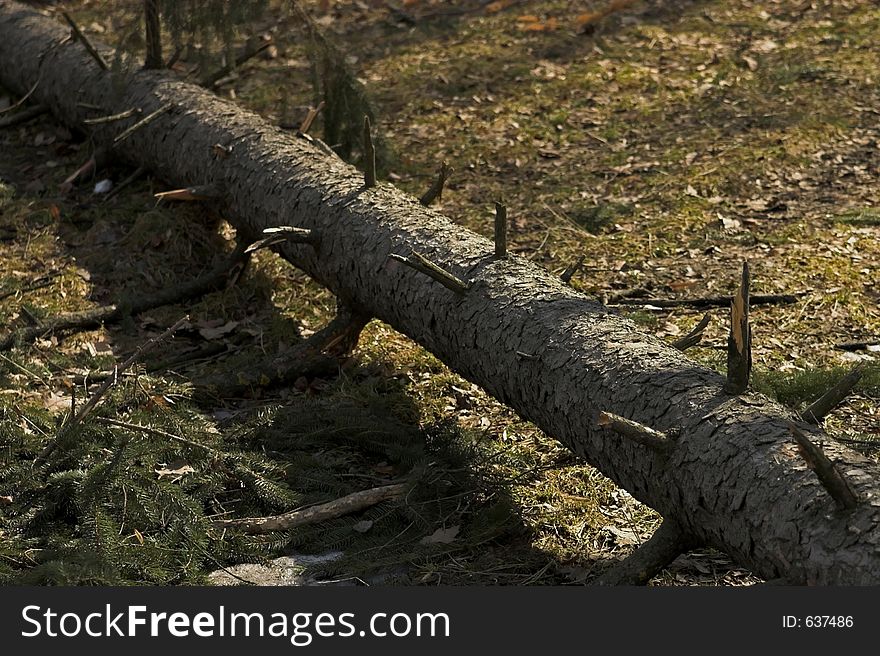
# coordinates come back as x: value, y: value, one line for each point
x: 155, y: 432
x: 423, y: 265
x: 436, y: 190
x: 709, y: 301
x: 137, y: 173
x: 144, y: 121
x: 500, y: 231
x: 197, y: 193
x: 86, y: 43
x: 285, y: 234
x: 832, y: 480
x: 95, y: 317
x: 113, y: 117
x: 23, y: 99
x: 636, y: 432
x: 346, y: 505
x: 40, y: 283
x: 312, y: 114
x: 247, y: 53
x: 316, y: 356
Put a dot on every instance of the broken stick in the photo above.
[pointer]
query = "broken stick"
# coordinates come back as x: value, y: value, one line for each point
x: 346, y: 505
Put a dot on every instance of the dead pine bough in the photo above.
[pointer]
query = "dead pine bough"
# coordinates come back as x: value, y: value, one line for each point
x: 715, y: 459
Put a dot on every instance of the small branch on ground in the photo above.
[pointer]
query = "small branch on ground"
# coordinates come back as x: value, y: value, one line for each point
x: 667, y: 544
x: 39, y: 283
x: 135, y: 175
x: 709, y: 301
x: 96, y: 317
x: 346, y: 505
x: 149, y: 430
x: 250, y: 51
x: 23, y: 116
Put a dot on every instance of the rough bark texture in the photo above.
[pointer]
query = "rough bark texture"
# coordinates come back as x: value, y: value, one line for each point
x: 734, y: 479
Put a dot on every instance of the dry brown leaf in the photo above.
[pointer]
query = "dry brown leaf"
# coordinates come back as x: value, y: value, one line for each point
x: 442, y: 535
x: 218, y: 332
x: 588, y: 18
x: 498, y: 5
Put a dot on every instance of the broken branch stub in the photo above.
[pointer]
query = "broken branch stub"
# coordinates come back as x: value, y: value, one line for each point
x: 739, y: 340
x: 832, y: 480
x: 423, y: 265
x: 285, y: 234
x: 310, y: 117
x: 644, y: 435
x: 435, y: 192
x: 369, y: 155
x: 694, y: 337
x: 500, y: 231
x: 569, y: 272
x: 820, y: 408
x: 668, y: 543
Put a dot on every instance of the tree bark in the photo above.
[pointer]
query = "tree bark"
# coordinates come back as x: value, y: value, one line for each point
x: 734, y: 479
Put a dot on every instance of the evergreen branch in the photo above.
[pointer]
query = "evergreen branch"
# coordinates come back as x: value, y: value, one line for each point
x: 90, y: 405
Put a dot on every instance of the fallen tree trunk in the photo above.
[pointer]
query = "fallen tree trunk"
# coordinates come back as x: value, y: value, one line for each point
x: 732, y: 479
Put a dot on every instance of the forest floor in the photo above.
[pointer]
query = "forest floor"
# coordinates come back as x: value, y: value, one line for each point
x: 666, y: 143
